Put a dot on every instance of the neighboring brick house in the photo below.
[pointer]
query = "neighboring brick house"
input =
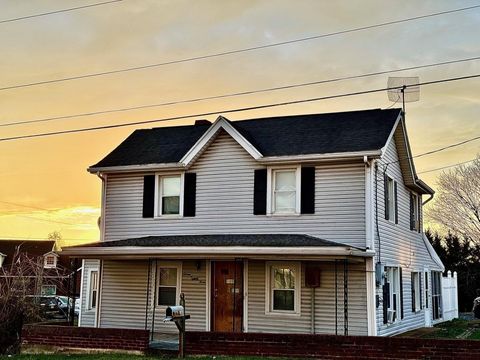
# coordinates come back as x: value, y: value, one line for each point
x: 55, y: 269
x: 289, y: 224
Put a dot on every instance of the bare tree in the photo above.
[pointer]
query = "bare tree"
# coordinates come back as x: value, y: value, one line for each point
x: 457, y: 204
x: 19, y: 280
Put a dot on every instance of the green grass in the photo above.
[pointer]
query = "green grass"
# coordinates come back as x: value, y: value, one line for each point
x: 456, y: 329
x: 115, y: 357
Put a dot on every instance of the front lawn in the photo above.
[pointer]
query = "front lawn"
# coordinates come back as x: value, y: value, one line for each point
x: 456, y: 329
x: 109, y: 356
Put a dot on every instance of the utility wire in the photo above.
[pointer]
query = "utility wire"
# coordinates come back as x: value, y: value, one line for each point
x: 234, y: 110
x: 26, y: 206
x: 435, y: 151
x: 57, y: 11
x: 447, y: 167
x: 284, y: 87
x: 40, y: 219
x: 236, y: 51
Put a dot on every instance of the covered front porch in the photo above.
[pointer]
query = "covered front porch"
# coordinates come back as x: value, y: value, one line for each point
x: 298, y: 284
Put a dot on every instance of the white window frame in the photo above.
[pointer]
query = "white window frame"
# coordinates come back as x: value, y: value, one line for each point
x: 89, y: 306
x: 45, y: 261
x: 48, y: 286
x: 158, y: 198
x: 271, y: 186
x: 391, y: 199
x: 416, y: 285
x: 168, y: 265
x: 394, y: 291
x: 296, y: 266
x: 2, y: 259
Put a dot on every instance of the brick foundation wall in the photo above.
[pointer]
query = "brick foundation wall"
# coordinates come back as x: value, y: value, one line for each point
x: 84, y: 337
x: 328, y: 346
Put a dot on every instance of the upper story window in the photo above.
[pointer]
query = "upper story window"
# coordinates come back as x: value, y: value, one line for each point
x: 284, y: 287
x: 284, y: 191
x: 169, y: 195
x: 391, y: 199
x: 50, y: 261
x: 415, y: 212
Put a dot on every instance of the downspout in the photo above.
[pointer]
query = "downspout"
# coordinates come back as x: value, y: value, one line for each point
x: 102, y: 205
x: 428, y: 200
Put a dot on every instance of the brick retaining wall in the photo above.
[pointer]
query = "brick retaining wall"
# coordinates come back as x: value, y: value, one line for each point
x: 84, y: 337
x: 328, y: 346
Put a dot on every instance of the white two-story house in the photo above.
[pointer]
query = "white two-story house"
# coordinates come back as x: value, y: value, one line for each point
x: 290, y: 224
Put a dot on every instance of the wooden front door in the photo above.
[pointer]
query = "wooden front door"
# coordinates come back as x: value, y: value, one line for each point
x: 227, y: 296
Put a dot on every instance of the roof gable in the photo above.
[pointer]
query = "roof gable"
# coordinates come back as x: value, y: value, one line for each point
x: 209, y: 136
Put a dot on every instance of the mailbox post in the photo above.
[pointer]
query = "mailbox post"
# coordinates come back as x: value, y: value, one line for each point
x: 177, y: 315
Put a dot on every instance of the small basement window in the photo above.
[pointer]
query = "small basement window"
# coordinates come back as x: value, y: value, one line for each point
x: 283, y: 284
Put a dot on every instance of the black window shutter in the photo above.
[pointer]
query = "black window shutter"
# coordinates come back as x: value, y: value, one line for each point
x: 189, y: 194
x: 419, y: 200
x: 412, y: 279
x: 386, y: 298
x: 401, y: 293
x: 148, y: 196
x: 412, y: 219
x: 307, y: 190
x: 420, y: 289
x: 396, y: 201
x: 385, y: 191
x: 260, y: 192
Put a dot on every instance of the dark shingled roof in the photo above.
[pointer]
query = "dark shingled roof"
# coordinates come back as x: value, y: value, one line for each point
x: 254, y: 240
x: 276, y: 136
x: 33, y: 248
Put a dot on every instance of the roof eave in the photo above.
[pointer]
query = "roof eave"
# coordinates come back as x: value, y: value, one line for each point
x: 135, y: 168
x: 211, y: 251
x: 326, y: 156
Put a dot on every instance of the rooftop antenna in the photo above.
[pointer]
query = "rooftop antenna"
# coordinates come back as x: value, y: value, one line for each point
x: 405, y: 88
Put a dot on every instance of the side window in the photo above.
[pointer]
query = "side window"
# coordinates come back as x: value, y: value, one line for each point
x: 393, y: 300
x: 50, y: 261
x: 416, y: 292
x: 391, y: 207
x: 93, y: 290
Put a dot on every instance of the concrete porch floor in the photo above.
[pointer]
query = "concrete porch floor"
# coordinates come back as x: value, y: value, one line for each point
x: 164, y: 341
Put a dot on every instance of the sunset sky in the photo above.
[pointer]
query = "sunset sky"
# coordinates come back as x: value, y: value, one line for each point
x: 44, y: 183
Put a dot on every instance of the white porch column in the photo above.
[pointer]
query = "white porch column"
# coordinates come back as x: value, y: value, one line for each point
x: 371, y: 308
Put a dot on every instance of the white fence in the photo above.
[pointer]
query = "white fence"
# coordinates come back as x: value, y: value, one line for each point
x: 449, y: 296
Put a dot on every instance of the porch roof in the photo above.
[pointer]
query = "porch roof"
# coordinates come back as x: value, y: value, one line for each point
x: 215, y: 245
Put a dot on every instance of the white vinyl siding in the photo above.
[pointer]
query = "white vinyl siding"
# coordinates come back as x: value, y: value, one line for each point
x: 324, y: 319
x: 400, y: 246
x: 224, y: 201
x: 87, y: 316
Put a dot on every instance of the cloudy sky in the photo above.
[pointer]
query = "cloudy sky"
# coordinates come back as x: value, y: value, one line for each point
x: 44, y: 183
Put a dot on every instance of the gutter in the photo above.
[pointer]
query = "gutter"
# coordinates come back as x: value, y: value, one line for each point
x: 209, y: 251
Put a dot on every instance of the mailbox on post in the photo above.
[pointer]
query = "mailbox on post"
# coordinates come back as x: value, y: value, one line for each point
x: 177, y: 315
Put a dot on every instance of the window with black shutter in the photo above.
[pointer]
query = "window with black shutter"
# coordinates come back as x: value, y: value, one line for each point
x: 307, y: 190
x: 189, y: 194
x: 148, y: 196
x: 260, y: 192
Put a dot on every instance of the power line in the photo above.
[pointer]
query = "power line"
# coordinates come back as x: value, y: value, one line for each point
x: 61, y: 132
x: 447, y: 167
x: 57, y: 11
x: 28, y: 238
x: 435, y: 151
x: 40, y: 219
x: 236, y: 51
x: 26, y: 206
x: 284, y: 87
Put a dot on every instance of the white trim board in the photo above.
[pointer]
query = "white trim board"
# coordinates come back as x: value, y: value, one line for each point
x: 209, y: 135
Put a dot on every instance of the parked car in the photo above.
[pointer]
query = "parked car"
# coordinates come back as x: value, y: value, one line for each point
x: 66, y: 302
x: 50, y: 307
